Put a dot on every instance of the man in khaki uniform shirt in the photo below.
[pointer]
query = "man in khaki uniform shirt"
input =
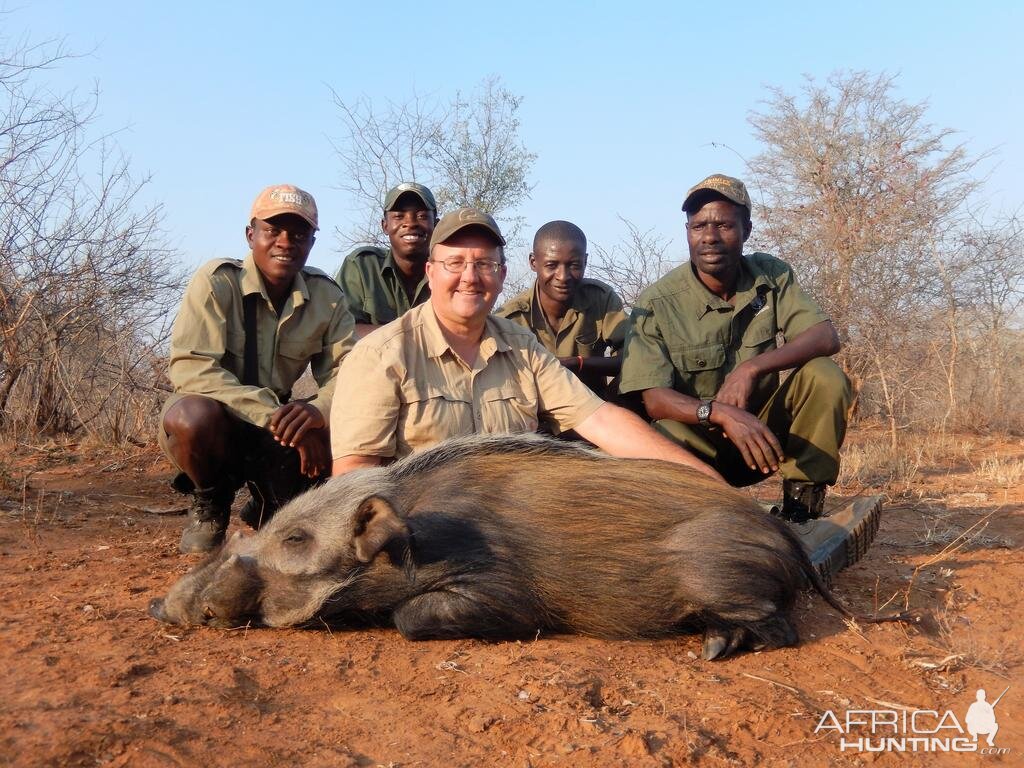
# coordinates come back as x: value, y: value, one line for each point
x: 383, y: 284
x: 702, y: 349
x: 577, y: 319
x: 230, y: 419
x: 450, y: 368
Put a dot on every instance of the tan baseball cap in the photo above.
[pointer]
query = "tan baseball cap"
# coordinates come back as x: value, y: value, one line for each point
x: 726, y: 186
x: 459, y: 219
x: 410, y: 187
x: 285, y: 198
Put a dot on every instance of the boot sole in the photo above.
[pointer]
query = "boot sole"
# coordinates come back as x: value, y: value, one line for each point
x: 856, y: 526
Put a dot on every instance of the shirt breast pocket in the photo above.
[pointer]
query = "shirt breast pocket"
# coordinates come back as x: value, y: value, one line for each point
x: 699, y: 368
x: 507, y: 409
x: 588, y: 341
x: 760, y: 334
x: 298, y: 351
x: 428, y: 415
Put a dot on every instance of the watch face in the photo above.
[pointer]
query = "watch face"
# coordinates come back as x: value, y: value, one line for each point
x: 703, y: 411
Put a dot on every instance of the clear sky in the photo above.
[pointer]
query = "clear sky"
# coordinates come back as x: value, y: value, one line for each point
x: 622, y: 101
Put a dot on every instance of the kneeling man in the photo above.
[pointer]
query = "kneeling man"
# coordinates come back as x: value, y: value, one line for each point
x: 245, y: 333
x: 702, y: 350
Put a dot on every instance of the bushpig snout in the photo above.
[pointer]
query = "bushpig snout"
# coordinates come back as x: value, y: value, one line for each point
x: 223, y: 591
x: 156, y: 610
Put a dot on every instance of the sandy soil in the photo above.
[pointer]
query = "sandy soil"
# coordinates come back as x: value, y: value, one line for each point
x: 89, y: 679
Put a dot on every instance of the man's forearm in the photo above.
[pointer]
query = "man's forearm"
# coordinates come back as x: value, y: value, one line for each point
x: 621, y: 433
x: 345, y: 464
x: 820, y: 340
x: 666, y: 403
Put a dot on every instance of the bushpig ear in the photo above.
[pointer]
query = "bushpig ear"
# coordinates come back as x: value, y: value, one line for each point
x: 376, y: 524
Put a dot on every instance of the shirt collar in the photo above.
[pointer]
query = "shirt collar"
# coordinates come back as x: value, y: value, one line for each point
x: 436, y: 344
x: 749, y: 283
x: 252, y: 282
x: 537, y: 313
x: 389, y: 265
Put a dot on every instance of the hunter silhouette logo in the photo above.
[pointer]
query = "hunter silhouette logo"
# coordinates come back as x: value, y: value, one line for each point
x: 917, y: 730
x: 981, y: 717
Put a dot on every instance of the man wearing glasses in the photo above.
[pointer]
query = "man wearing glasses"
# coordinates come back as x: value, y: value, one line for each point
x: 448, y: 368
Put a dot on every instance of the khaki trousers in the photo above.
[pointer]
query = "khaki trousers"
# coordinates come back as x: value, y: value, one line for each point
x: 807, y: 413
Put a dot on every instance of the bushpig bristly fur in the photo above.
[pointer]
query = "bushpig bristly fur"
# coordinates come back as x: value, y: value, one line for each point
x: 502, y: 536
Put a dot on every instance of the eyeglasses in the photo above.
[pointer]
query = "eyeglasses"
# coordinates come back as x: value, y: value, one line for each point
x: 458, y: 265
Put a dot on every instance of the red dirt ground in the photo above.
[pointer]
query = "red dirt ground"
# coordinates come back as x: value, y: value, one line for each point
x: 90, y: 679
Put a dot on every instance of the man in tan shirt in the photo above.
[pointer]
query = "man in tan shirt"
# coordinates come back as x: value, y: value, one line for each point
x: 245, y: 332
x: 577, y: 319
x: 450, y: 368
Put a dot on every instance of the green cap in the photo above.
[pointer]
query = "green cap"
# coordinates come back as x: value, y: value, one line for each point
x: 726, y: 186
x: 412, y: 188
x: 459, y: 219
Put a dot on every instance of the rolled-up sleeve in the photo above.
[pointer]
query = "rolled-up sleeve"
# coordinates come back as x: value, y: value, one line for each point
x: 615, y: 323
x: 364, y: 414
x: 646, y: 362
x: 795, y: 310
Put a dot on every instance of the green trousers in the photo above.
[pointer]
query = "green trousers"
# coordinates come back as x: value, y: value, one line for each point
x: 807, y: 413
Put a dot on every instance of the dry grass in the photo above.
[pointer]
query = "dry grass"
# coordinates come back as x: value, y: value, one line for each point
x: 875, y: 463
x: 8, y: 480
x: 1003, y: 471
x: 944, y: 534
x: 964, y: 648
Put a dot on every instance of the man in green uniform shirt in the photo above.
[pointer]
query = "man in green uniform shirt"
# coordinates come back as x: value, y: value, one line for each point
x: 245, y: 332
x: 577, y: 319
x: 702, y: 350
x: 382, y: 284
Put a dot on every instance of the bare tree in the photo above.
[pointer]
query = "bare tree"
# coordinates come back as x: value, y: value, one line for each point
x: 864, y: 196
x: 631, y: 264
x: 85, y: 280
x: 989, y: 296
x: 467, y: 151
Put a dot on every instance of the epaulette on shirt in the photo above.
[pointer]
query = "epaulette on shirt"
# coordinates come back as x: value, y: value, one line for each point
x: 368, y: 250
x: 600, y: 285
x: 309, y: 271
x: 214, y: 264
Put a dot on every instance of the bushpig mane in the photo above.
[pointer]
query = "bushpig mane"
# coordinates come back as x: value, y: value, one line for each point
x: 472, y: 446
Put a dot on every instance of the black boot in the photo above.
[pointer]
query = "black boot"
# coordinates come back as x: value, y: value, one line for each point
x: 802, y: 501
x: 207, y: 520
x: 843, y: 537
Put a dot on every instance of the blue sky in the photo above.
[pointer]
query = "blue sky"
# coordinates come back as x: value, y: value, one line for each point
x: 622, y: 101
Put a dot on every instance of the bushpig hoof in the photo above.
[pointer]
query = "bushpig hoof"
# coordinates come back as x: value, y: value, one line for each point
x: 720, y: 643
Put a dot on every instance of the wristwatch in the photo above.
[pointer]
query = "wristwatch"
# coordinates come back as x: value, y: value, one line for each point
x: 704, y: 413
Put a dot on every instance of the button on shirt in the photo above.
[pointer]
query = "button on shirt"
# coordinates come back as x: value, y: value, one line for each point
x: 207, y: 357
x: 683, y: 336
x: 403, y: 389
x: 373, y: 286
x: 593, y: 325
